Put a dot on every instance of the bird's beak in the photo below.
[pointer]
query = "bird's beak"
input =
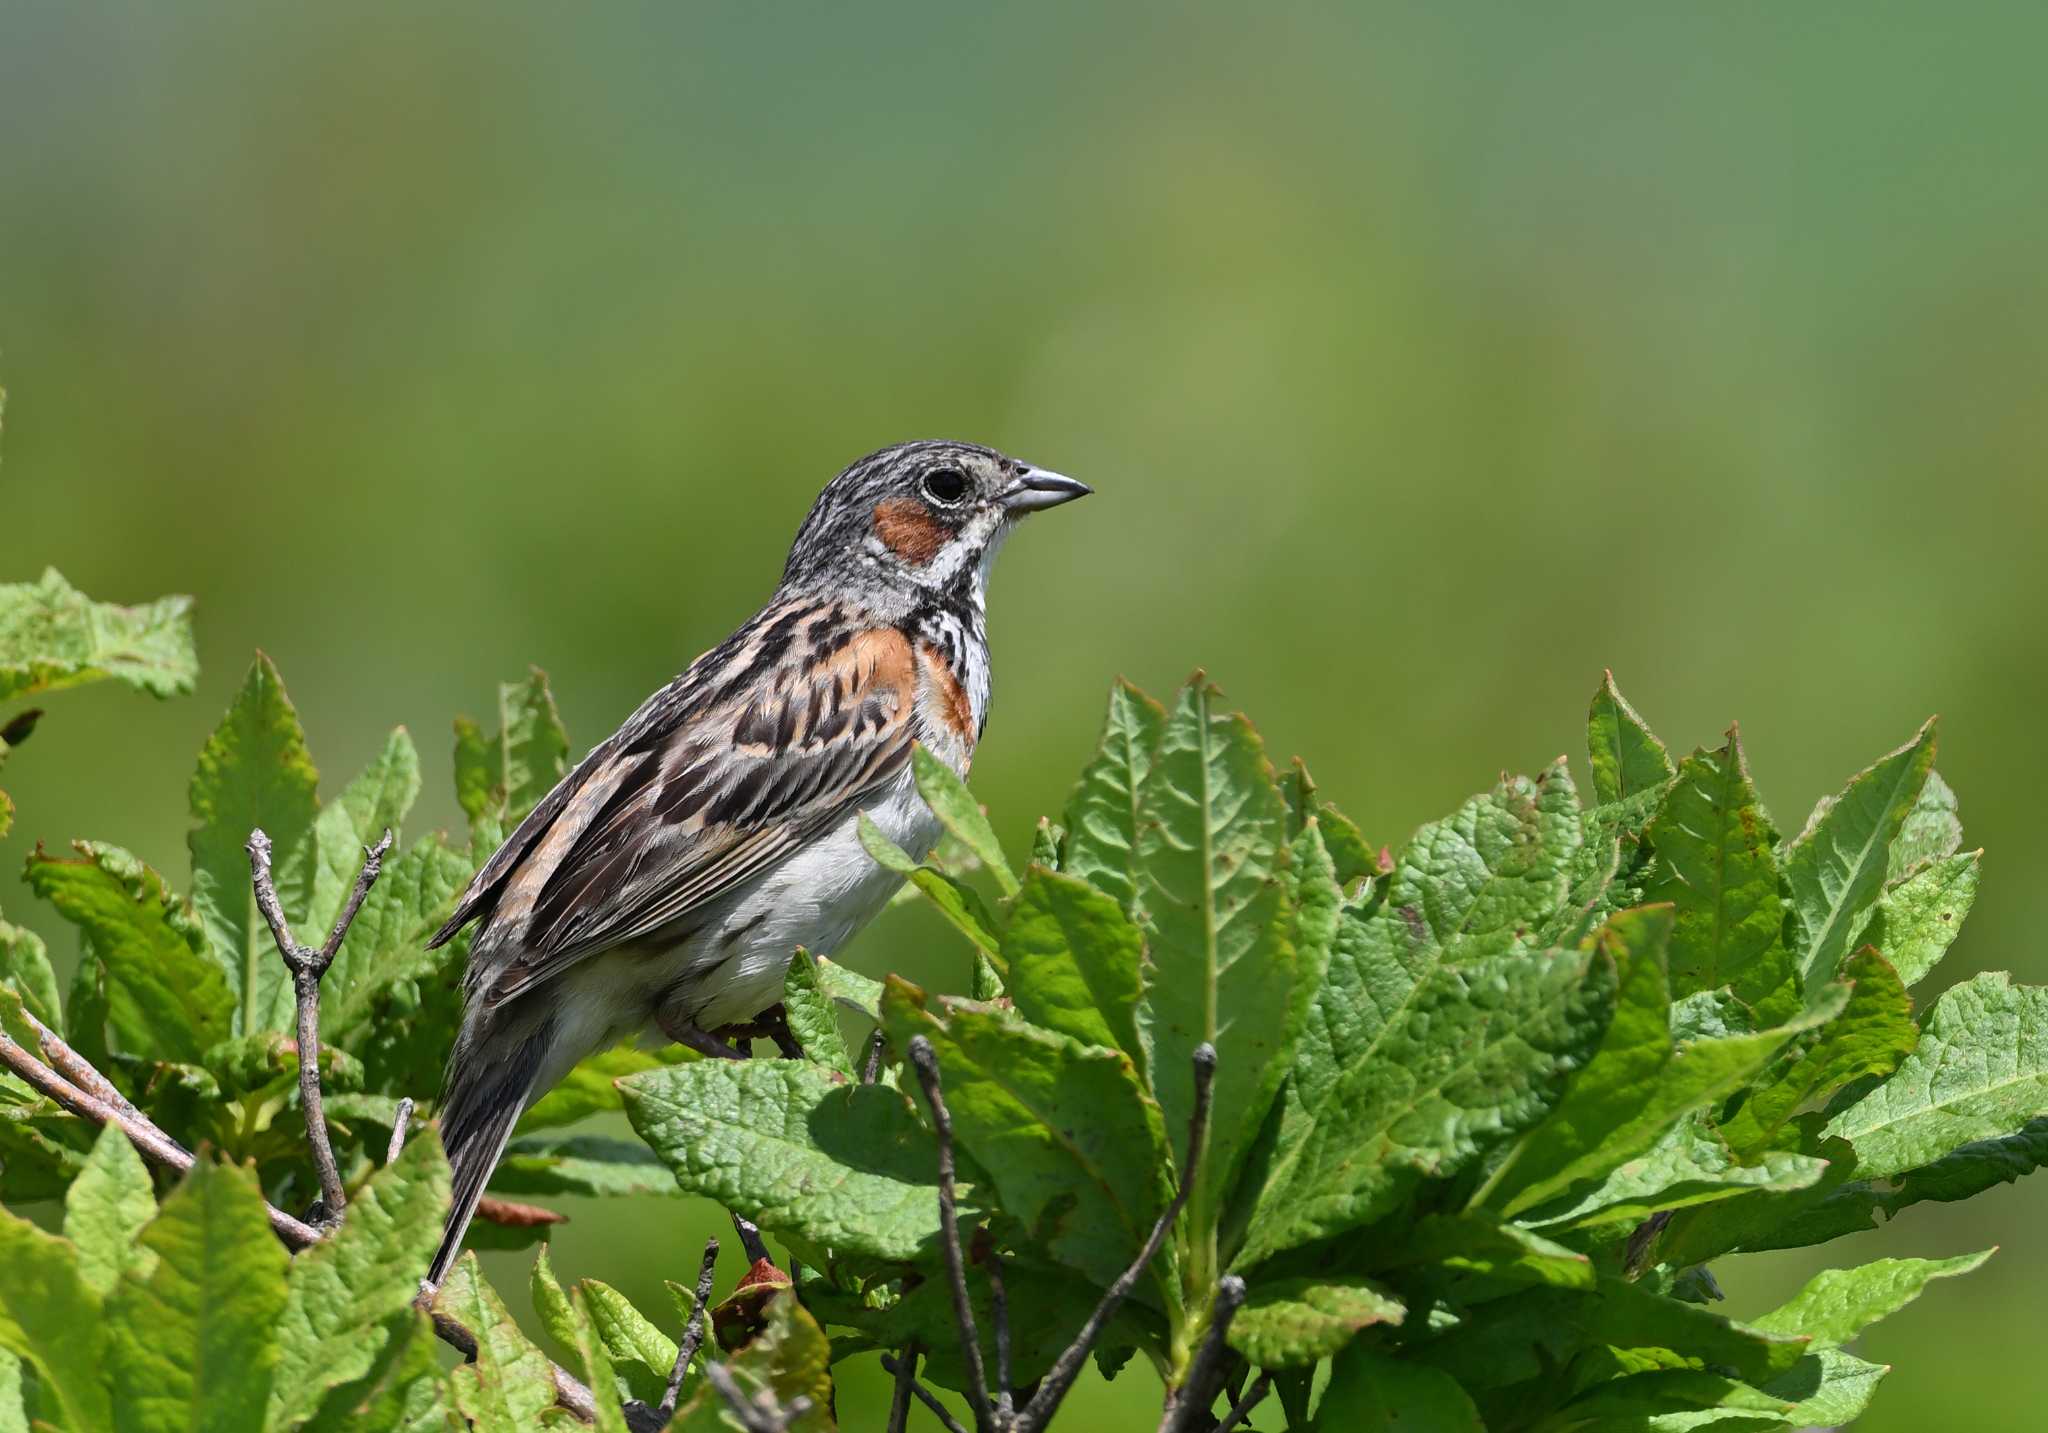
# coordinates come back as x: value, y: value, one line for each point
x: 1039, y: 489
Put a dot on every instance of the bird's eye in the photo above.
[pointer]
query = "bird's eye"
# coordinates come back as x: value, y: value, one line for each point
x: 945, y: 485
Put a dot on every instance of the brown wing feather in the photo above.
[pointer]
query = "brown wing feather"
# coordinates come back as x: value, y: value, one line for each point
x: 759, y: 747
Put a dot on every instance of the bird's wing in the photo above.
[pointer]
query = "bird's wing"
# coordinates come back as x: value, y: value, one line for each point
x: 761, y: 746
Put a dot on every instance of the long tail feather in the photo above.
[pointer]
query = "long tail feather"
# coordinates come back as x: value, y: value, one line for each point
x: 482, y: 1107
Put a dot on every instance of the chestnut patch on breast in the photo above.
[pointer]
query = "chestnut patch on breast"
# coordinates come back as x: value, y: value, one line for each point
x: 954, y: 707
x: 910, y: 530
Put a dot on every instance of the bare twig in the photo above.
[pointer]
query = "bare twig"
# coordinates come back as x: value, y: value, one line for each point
x: 871, y: 1059
x: 1190, y: 1402
x: 757, y: 1417
x: 1059, y: 1379
x: 1242, y: 1409
x: 906, y: 1376
x: 693, y: 1333
x: 999, y: 1304
x: 924, y: 1395
x: 399, y: 1121
x: 307, y: 965
x: 77, y: 1069
x: 750, y: 1239
x: 926, y: 1062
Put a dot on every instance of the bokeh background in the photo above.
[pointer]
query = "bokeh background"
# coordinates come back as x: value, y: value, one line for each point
x: 1428, y: 359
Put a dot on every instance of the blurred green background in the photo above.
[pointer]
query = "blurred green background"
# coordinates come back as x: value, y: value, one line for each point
x: 1427, y: 358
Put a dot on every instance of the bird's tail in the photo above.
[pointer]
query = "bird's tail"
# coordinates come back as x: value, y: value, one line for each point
x: 484, y: 1101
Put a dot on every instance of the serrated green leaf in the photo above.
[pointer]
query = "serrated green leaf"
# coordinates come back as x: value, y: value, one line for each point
x: 588, y: 1165
x: 375, y: 802
x: 1494, y: 871
x: 253, y: 771
x: 1370, y: 1392
x: 1716, y: 866
x: 1874, y: 1032
x: 404, y: 1391
x: 1916, y: 921
x: 1476, y: 1054
x: 25, y: 965
x: 106, y: 1209
x: 502, y: 776
x: 813, y: 1018
x: 52, y: 636
x: 1838, y: 1304
x: 386, y: 945
x: 1072, y: 1144
x: 50, y: 1317
x: 1075, y: 962
x: 1637, y: 1400
x: 950, y: 800
x: 787, y: 1358
x: 195, y: 1345
x: 13, y: 1414
x: 166, y: 996
x: 641, y: 1355
x: 596, y: 1363
x: 592, y: 1086
x: 1835, y: 869
x: 1688, y: 1164
x: 1103, y: 814
x: 511, y: 1383
x: 1932, y: 831
x: 1290, y: 1323
x: 1980, y: 1072
x: 550, y: 1304
x: 801, y: 1154
x: 347, y: 1291
x: 1832, y: 1387
x: 850, y: 989
x: 958, y: 902
x: 1474, y: 1242
x: 1627, y: 759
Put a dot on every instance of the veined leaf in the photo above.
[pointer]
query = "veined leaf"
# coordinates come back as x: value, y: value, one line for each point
x: 1627, y: 759
x: 52, y: 635
x: 1836, y: 868
x: 194, y: 1346
x: 386, y: 946
x: 25, y: 966
x: 640, y: 1354
x: 105, y: 1211
x: 1838, y: 1304
x: 510, y: 1384
x: 1932, y: 831
x: 404, y: 1391
x: 1688, y: 1165
x: 1479, y: 882
x: 1103, y: 814
x: 961, y: 815
x: 788, y: 1357
x: 1370, y: 1392
x: 1292, y: 1323
x: 501, y: 777
x: 1715, y: 865
x: 850, y: 989
x: 957, y: 901
x: 348, y: 1294
x: 52, y: 1318
x: 801, y: 1154
x: 597, y: 1365
x: 376, y: 801
x: 13, y: 1416
x: 1075, y: 962
x: 1916, y: 921
x: 1071, y: 1142
x: 167, y: 998
x: 1474, y: 1242
x: 1980, y: 1073
x: 813, y: 1018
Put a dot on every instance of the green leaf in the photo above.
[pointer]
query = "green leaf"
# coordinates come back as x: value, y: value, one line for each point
x: 1103, y: 815
x: 813, y: 1018
x: 641, y: 1355
x: 1212, y: 898
x: 106, y: 1209
x: 597, y: 1365
x: 850, y: 989
x: 254, y: 771
x: 195, y: 1345
x: 51, y: 1317
x: 1296, y: 1322
x: 550, y: 1304
x: 1372, y: 1393
x: 375, y: 802
x: 1074, y: 962
x: 385, y: 947
x: 1627, y: 759
x: 1072, y: 1144
x: 1980, y: 1073
x: 592, y: 1086
x: 1833, y: 1388
x: 1835, y: 869
x: 1917, y: 920
x: 404, y: 1391
x: 511, y: 1383
x: 348, y: 1293
x: 1874, y: 1032
x: 25, y: 965
x: 797, y: 1151
x: 1474, y: 1056
x: 587, y: 1165
x: 1932, y: 831
x: 1688, y: 1164
x: 957, y: 901
x: 1474, y: 1242
x: 166, y: 996
x: 1637, y: 1400
x: 501, y: 777
x: 1498, y: 868
x: 52, y: 636
x: 13, y: 1416
x: 787, y: 1357
x: 1715, y: 865
x: 1838, y: 1304
x: 961, y: 815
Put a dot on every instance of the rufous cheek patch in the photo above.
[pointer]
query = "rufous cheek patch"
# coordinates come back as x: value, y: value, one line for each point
x: 908, y: 529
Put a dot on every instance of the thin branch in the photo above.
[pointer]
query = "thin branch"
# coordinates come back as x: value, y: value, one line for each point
x: 750, y: 1239
x: 906, y: 1377
x: 926, y: 1397
x: 693, y: 1333
x: 77, y: 1069
x: 926, y: 1062
x: 999, y: 1300
x: 871, y: 1060
x: 1059, y: 1379
x: 1189, y: 1403
x: 307, y: 966
x: 399, y: 1121
x: 757, y: 1417
x: 1242, y: 1409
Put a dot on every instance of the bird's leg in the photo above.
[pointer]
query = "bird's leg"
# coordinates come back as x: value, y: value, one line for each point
x: 683, y: 1032
x: 770, y: 1024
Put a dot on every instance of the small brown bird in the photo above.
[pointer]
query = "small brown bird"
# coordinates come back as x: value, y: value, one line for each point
x: 666, y: 883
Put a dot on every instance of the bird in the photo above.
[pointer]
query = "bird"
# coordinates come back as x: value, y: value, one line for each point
x: 663, y: 886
